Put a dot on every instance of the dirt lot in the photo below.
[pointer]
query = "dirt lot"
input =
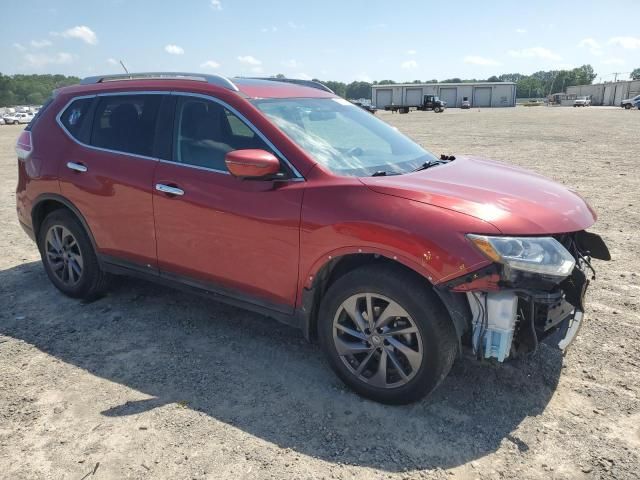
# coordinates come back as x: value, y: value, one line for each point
x: 151, y: 383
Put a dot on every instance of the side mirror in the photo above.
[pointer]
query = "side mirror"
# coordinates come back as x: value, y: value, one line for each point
x: 251, y: 163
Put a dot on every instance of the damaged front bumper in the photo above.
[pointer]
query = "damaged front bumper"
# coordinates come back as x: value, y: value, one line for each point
x: 506, y: 312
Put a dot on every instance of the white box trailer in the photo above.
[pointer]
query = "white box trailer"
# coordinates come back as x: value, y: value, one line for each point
x: 411, y: 95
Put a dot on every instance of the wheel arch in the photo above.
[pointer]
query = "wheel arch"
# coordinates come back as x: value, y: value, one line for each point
x: 333, y: 266
x: 47, y: 203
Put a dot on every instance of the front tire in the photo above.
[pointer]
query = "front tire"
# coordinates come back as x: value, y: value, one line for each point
x: 627, y: 106
x: 68, y: 256
x: 386, y: 335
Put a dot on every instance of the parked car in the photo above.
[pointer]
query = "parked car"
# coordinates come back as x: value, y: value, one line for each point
x: 290, y: 201
x: 368, y: 108
x: 630, y: 102
x: 466, y: 104
x: 16, y: 118
x: 2, y: 121
x: 582, y: 102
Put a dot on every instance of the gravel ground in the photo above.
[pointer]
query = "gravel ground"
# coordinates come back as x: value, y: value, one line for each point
x: 151, y: 383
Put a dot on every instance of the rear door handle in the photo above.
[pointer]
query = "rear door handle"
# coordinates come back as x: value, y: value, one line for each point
x: 77, y: 167
x: 169, y: 190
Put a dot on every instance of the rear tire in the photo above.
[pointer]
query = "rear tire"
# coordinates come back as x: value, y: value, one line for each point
x: 411, y: 330
x: 627, y: 106
x: 69, y: 258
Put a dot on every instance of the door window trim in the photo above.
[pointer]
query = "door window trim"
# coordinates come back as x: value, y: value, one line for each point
x: 107, y: 94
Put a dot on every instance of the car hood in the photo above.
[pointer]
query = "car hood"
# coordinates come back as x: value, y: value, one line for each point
x: 514, y: 200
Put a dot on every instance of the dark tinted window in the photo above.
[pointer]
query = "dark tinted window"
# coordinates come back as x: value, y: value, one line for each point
x: 206, y: 131
x: 126, y: 123
x: 75, y: 116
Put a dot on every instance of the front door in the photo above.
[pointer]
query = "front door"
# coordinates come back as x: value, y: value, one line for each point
x: 238, y: 237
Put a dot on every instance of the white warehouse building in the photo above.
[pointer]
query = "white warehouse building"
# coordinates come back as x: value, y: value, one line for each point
x: 480, y: 94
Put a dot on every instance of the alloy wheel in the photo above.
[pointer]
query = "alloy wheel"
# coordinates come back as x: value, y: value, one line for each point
x: 63, y: 255
x: 377, y: 340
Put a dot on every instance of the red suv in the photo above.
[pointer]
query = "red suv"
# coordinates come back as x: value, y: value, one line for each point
x: 279, y: 196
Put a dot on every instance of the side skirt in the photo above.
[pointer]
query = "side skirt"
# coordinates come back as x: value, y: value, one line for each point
x: 280, y: 313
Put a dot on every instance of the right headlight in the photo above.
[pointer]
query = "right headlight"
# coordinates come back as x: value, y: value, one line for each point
x: 542, y: 255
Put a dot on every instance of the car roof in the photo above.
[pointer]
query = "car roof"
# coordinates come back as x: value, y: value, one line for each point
x: 246, y: 87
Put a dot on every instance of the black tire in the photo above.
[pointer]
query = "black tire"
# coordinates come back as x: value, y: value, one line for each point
x: 437, y: 110
x: 627, y: 106
x: 413, y: 294
x: 92, y: 281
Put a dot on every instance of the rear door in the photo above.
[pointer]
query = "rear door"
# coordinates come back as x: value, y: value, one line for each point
x: 237, y: 237
x: 107, y: 172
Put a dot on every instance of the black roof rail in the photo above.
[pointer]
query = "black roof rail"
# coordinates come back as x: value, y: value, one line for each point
x: 297, y: 81
x: 218, y: 80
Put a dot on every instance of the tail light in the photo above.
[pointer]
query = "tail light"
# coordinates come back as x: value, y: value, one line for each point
x: 24, y: 146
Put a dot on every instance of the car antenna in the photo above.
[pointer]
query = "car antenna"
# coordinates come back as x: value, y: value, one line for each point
x: 125, y: 68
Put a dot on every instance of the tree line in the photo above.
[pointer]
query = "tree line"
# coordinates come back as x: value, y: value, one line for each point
x: 35, y: 89
x: 30, y: 89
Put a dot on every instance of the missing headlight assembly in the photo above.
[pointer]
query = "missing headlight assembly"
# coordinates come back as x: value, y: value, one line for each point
x: 534, y: 291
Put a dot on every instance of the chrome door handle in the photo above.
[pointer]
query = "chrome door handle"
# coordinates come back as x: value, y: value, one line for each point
x: 77, y: 167
x: 169, y: 190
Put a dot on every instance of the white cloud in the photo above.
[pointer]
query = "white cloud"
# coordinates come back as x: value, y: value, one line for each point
x: 249, y: 59
x: 19, y: 46
x: 295, y: 26
x: 81, y: 32
x: 212, y: 64
x: 520, y: 30
x: 292, y: 63
x: 273, y: 28
x: 216, y: 4
x: 112, y: 61
x: 40, y: 43
x: 535, y: 52
x: 593, y: 46
x: 477, y: 60
x: 174, y: 49
x: 409, y: 64
x: 625, y: 42
x: 41, y: 60
x: 411, y: 52
x: 614, y: 61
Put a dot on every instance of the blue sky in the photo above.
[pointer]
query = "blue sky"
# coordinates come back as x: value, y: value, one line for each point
x: 337, y: 40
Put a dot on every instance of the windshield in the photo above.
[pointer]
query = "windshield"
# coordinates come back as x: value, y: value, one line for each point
x: 343, y: 137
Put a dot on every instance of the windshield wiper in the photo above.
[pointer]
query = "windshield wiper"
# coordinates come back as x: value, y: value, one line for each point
x: 426, y: 165
x: 433, y: 163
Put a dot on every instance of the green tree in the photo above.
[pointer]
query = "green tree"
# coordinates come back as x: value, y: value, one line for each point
x: 30, y: 89
x: 339, y: 88
x: 357, y: 90
x: 635, y: 75
x: 493, y: 78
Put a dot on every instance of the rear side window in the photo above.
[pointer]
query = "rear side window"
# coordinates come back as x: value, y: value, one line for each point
x: 126, y: 123
x: 74, y: 118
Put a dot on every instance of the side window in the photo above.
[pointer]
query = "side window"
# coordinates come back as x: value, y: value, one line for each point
x: 205, y: 131
x: 126, y: 123
x: 74, y: 118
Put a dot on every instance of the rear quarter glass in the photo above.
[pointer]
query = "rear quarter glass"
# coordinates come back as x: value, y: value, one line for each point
x: 37, y: 116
